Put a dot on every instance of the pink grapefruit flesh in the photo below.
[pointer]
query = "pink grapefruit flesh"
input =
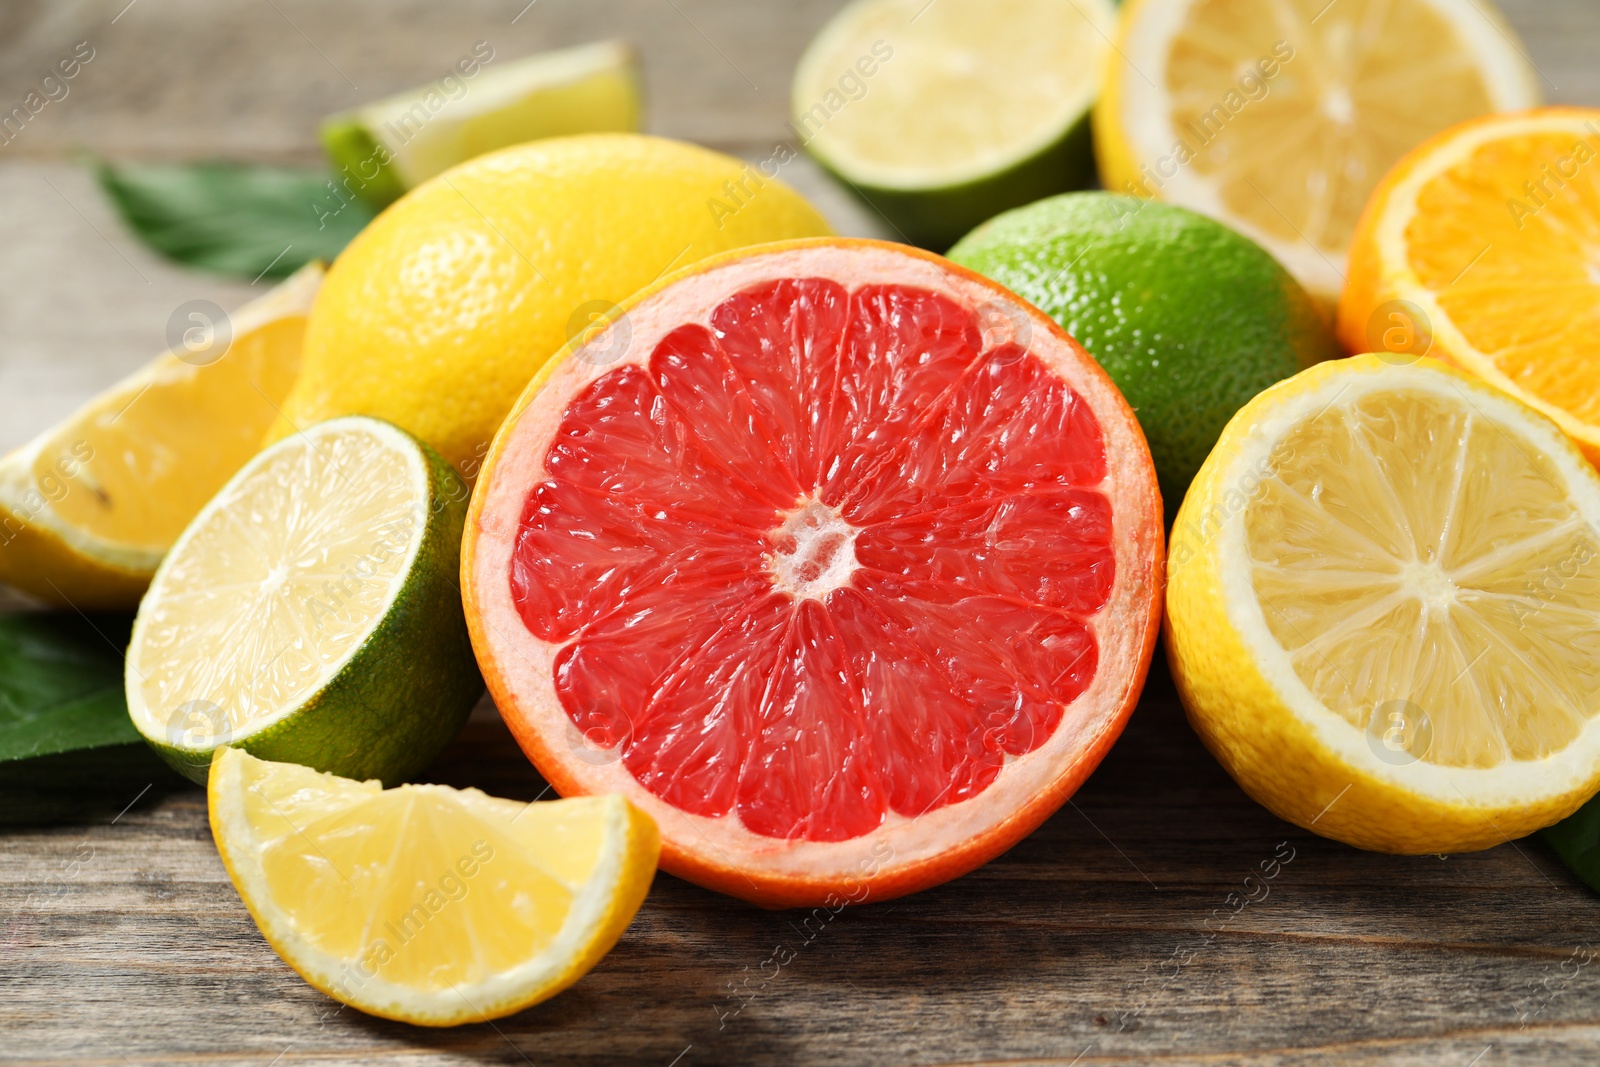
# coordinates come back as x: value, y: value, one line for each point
x: 841, y: 561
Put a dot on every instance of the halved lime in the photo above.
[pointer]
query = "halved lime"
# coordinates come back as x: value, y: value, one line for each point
x: 942, y: 114
x: 387, y: 148
x: 310, y: 612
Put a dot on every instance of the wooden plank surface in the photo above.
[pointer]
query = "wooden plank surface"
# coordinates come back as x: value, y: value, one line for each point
x: 1108, y: 937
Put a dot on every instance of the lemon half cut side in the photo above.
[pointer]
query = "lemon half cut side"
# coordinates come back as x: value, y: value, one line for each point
x: 1384, y: 608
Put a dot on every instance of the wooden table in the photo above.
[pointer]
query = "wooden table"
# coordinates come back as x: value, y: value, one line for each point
x: 1108, y: 937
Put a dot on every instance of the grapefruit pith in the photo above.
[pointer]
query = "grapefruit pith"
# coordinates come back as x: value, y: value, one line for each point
x: 842, y: 562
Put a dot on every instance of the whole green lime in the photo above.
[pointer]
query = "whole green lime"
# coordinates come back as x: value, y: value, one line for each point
x: 1189, y: 318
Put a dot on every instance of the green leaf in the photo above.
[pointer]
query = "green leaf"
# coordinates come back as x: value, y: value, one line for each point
x: 233, y: 219
x: 1576, y: 840
x: 61, y: 684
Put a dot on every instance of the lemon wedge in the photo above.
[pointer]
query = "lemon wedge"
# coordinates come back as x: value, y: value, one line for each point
x: 427, y: 904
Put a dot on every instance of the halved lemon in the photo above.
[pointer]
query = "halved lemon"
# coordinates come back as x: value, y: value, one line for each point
x: 1278, y: 117
x: 427, y: 904
x: 1383, y: 608
x: 1485, y: 244
x: 89, y: 507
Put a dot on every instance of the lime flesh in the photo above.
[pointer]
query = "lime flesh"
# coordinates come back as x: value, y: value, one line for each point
x: 940, y: 115
x: 310, y: 613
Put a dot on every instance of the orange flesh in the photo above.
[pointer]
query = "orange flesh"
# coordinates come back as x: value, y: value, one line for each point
x: 1509, y: 241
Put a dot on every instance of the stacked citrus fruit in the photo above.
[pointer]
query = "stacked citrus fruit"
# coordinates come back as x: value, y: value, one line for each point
x: 825, y: 569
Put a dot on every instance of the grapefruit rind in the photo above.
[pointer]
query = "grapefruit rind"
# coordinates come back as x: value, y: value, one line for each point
x: 902, y: 855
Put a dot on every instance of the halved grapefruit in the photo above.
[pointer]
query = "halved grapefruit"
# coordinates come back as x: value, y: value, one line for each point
x: 842, y: 562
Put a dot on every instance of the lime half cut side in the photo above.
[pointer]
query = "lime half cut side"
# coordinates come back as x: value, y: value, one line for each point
x: 310, y: 612
x: 942, y: 115
x: 389, y: 147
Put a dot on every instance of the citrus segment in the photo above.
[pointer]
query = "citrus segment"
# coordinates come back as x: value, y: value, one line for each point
x: 1278, y: 117
x: 1455, y: 233
x: 1383, y: 591
x: 427, y: 904
x: 89, y: 507
x: 821, y: 559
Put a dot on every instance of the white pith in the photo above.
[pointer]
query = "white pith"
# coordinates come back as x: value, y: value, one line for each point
x: 811, y: 530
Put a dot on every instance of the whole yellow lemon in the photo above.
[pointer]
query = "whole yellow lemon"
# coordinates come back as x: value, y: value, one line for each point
x: 439, y: 313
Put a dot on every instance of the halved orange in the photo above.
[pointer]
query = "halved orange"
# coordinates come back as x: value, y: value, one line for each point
x: 1482, y: 248
x: 840, y: 561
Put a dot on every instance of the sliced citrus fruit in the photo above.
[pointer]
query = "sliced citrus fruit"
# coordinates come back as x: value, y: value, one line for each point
x: 310, y: 612
x: 1482, y: 247
x: 840, y: 561
x: 1278, y: 117
x: 1383, y: 608
x: 427, y: 904
x: 942, y: 114
x: 89, y: 507
x: 386, y: 148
